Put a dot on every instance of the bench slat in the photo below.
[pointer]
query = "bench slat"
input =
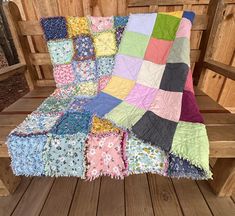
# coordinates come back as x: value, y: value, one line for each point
x: 40, y: 92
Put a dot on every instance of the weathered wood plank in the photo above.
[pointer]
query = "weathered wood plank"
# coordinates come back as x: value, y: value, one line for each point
x: 217, y: 205
x: 190, y: 198
x: 40, y: 92
x: 35, y: 196
x: 11, y: 120
x: 8, y: 203
x: 111, y: 199
x: 60, y: 197
x: 219, y: 119
x: 163, y: 196
x: 85, y: 198
x: 138, y: 199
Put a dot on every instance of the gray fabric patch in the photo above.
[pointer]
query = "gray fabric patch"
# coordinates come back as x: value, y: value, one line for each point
x: 174, y: 77
x: 155, y: 130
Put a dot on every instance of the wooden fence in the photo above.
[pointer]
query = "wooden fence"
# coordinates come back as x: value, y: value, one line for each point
x: 220, y: 88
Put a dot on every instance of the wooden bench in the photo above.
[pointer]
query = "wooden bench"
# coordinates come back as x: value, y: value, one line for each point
x: 220, y: 123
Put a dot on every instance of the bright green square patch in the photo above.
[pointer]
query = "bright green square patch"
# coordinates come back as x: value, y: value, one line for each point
x: 134, y: 44
x: 165, y: 27
x: 125, y: 115
x: 190, y: 142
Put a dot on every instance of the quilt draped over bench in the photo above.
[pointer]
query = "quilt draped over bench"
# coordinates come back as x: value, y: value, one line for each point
x: 124, y: 102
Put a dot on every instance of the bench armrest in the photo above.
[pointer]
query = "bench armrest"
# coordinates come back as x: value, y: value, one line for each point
x: 220, y: 68
x: 10, y: 70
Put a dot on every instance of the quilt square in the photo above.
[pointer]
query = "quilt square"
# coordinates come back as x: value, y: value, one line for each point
x: 127, y: 67
x: 84, y: 48
x: 150, y: 74
x: 147, y: 21
x: 27, y: 154
x: 144, y: 157
x: 165, y: 27
x: 134, y: 44
x: 104, y: 156
x: 65, y: 92
x: 158, y: 51
x: 100, y: 24
x: 190, y: 111
x: 189, y: 82
x: 167, y: 105
x: 184, y: 29
x: 125, y: 115
x: 77, y: 26
x: 63, y: 74
x: 120, y: 21
x: 78, y: 104
x: 105, y: 44
x: 115, y: 84
x: 141, y: 96
x: 103, y: 82
x: 84, y: 70
x: 103, y: 126
x: 54, y: 27
x: 53, y: 104
x: 119, y: 33
x: 64, y: 155
x: 87, y: 89
x: 72, y: 123
x: 177, y: 14
x: 174, y: 77
x: 61, y: 51
x: 37, y: 123
x: 104, y: 66
x: 102, y: 104
x: 155, y: 130
x: 189, y: 15
x: 180, y: 51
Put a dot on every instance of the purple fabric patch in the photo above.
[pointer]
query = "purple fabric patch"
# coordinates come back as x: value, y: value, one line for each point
x: 102, y: 104
x: 189, y: 110
x: 127, y: 67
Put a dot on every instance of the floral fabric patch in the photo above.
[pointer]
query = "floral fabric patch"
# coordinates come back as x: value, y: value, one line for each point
x: 61, y: 51
x: 143, y: 157
x: 120, y: 21
x: 84, y: 48
x: 104, y: 66
x: 105, y: 44
x: 64, y: 155
x: 65, y: 92
x: 103, y: 82
x: 99, y: 24
x: 104, y: 156
x: 63, y: 74
x: 87, y: 89
x: 119, y: 34
x: 77, y: 26
x: 54, y: 27
x: 78, y: 104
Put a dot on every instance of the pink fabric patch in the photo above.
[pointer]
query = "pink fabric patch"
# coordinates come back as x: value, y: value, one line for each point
x: 184, y: 29
x: 63, y: 74
x: 99, y: 24
x: 141, y: 96
x: 167, y: 105
x: 103, y: 81
x: 105, y: 156
x: 189, y: 82
x: 158, y: 51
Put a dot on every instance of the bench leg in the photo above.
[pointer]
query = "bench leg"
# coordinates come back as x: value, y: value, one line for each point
x: 223, y: 183
x: 8, y: 181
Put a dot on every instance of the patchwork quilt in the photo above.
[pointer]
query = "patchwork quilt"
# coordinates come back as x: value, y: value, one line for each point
x: 124, y: 102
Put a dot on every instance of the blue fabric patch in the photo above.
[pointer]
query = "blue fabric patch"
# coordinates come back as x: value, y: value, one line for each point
x: 181, y: 168
x: 72, y: 122
x: 54, y: 27
x: 26, y: 154
x: 102, y: 104
x: 78, y: 104
x: 64, y: 155
x: 189, y: 15
x: 120, y: 21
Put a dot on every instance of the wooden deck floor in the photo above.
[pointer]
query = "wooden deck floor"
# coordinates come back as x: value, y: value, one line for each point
x: 137, y: 195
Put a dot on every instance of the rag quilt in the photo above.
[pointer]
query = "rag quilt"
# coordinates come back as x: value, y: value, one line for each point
x: 124, y: 102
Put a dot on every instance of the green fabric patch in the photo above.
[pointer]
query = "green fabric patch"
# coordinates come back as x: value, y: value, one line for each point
x: 194, y: 148
x: 165, y: 27
x: 125, y: 115
x: 179, y: 52
x: 134, y: 44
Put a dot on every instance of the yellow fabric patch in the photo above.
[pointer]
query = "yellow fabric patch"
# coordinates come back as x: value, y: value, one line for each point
x: 178, y: 14
x: 119, y: 87
x: 77, y: 26
x: 105, y: 44
x: 103, y: 126
x: 87, y: 89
